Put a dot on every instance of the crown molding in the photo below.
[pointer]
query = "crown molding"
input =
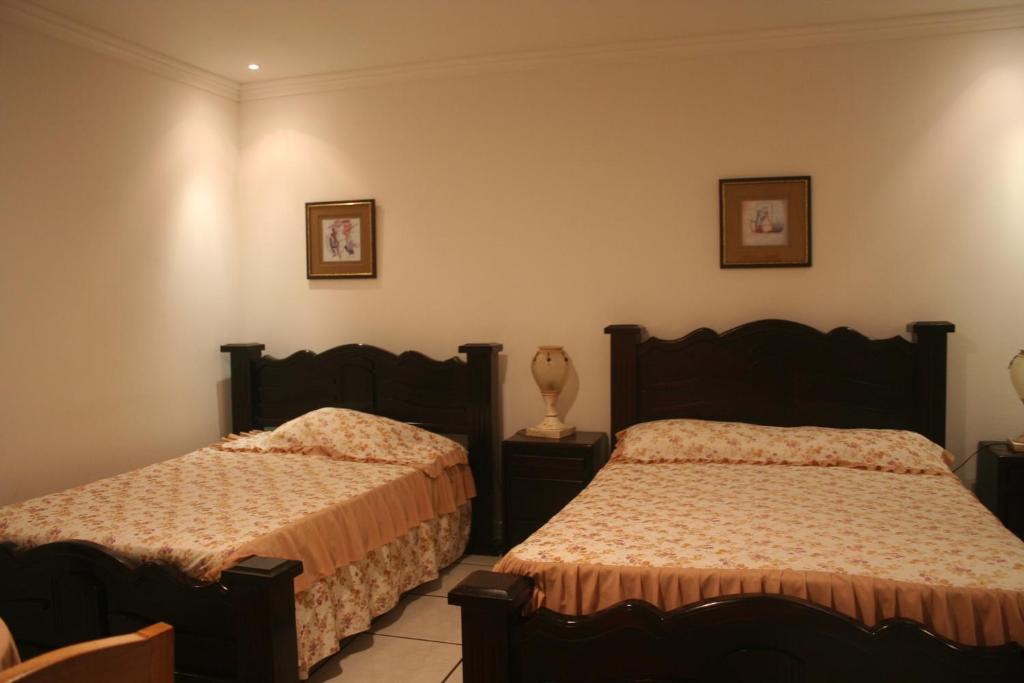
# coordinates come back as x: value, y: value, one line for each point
x: 30, y: 16
x: 805, y: 36
x: 26, y: 14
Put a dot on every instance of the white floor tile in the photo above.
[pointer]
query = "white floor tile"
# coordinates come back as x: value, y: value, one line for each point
x: 480, y: 560
x: 456, y: 676
x: 449, y: 579
x: 422, y: 616
x: 380, y: 659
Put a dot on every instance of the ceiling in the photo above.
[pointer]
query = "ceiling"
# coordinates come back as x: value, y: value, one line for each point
x: 292, y: 38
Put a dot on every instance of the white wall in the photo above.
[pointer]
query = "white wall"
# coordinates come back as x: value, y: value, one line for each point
x: 118, y: 275
x: 535, y: 207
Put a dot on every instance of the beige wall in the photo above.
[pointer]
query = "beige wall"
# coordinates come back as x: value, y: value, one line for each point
x: 535, y: 207
x: 117, y: 267
x: 126, y: 200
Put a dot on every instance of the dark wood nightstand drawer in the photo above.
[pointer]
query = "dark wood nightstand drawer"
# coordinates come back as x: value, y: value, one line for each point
x: 544, y: 467
x: 540, y: 499
x: 555, y: 450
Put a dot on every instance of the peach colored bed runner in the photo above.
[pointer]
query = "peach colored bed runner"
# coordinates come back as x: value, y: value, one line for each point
x: 205, y: 511
x: 871, y: 545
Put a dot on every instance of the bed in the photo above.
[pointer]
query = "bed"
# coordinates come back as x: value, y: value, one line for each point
x: 266, y: 617
x: 739, y: 569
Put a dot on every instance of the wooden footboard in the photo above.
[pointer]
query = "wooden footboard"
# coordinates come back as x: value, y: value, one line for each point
x: 242, y: 628
x: 763, y: 638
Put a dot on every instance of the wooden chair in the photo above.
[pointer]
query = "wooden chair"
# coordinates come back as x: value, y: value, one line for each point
x: 146, y: 656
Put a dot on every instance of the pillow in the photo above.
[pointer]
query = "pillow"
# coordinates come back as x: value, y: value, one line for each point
x: 887, y: 450
x: 350, y: 435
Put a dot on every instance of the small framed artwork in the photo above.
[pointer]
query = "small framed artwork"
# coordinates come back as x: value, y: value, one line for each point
x: 341, y: 239
x: 765, y: 222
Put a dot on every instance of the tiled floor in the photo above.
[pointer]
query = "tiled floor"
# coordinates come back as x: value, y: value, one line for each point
x: 419, y: 641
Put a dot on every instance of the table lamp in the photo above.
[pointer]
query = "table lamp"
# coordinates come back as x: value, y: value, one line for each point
x: 550, y: 370
x: 1017, y: 378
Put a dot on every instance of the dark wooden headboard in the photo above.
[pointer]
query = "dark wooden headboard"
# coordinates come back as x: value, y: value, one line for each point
x: 453, y: 397
x: 776, y: 372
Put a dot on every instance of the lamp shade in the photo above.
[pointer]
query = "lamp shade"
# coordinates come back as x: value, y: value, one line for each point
x: 550, y: 368
x: 1017, y: 373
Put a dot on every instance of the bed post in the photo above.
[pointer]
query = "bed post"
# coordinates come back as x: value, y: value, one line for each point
x: 625, y: 340
x: 242, y: 358
x: 491, y: 605
x: 931, y: 339
x: 262, y: 594
x: 484, y: 443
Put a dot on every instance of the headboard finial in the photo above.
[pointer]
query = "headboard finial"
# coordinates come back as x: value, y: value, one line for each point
x: 624, y: 329
x: 244, y: 348
x: 931, y: 327
x: 481, y: 347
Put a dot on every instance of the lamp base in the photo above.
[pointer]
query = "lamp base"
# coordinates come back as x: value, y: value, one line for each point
x: 550, y: 432
x: 1016, y: 445
x: 551, y: 427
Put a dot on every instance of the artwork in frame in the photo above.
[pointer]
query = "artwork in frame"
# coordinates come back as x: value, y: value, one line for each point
x: 341, y: 239
x: 765, y: 222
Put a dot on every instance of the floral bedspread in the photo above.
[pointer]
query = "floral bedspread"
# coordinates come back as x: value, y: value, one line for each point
x: 204, y: 511
x: 870, y: 544
x: 366, y: 532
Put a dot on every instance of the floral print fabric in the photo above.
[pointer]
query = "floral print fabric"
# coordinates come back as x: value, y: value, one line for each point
x: 365, y: 532
x: 354, y: 436
x: 683, y: 440
x: 343, y: 604
x: 207, y: 510
x: 869, y: 544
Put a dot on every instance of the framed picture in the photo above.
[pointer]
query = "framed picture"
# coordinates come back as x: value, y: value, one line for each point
x: 765, y: 222
x: 341, y: 239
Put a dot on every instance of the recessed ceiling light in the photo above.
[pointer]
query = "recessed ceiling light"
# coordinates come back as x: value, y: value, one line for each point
x: 254, y: 67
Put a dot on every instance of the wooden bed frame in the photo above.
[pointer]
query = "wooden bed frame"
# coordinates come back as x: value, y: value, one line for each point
x: 243, y: 627
x: 767, y: 372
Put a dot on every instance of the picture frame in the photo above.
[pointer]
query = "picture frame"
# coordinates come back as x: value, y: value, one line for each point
x: 765, y: 222
x: 341, y: 239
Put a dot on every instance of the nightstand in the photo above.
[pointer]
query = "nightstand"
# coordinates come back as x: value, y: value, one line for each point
x: 1000, y: 484
x: 541, y: 475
